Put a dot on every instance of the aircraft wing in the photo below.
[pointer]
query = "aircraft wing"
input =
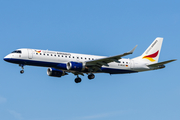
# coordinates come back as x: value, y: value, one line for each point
x: 105, y: 61
x: 161, y: 63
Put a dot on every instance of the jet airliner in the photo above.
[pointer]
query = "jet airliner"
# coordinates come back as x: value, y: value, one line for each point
x: 62, y: 63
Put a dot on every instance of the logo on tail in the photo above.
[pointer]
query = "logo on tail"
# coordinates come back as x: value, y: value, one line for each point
x: 150, y: 57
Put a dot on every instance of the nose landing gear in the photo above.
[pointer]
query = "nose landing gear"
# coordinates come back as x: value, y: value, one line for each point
x: 22, y: 66
x: 22, y: 71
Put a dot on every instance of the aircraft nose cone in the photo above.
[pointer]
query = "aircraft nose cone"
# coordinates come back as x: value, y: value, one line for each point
x: 7, y: 58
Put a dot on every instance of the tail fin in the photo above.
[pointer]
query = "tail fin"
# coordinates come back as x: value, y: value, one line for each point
x: 151, y: 55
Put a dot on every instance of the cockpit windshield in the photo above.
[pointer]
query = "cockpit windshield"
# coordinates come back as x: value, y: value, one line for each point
x: 17, y: 51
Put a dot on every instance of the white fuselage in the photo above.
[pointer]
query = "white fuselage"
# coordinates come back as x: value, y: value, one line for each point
x: 59, y: 60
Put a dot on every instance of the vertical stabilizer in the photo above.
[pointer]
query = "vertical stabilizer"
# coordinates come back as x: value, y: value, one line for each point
x: 151, y: 55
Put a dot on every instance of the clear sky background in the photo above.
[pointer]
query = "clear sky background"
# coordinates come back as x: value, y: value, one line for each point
x: 98, y: 27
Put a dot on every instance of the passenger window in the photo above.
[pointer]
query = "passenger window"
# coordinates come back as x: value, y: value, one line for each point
x: 69, y: 56
x: 126, y: 62
x: 47, y: 54
x: 81, y: 58
x: 40, y: 53
x: 55, y: 55
x: 62, y: 55
x: 77, y: 57
x: 73, y: 56
x: 44, y: 54
x: 36, y: 53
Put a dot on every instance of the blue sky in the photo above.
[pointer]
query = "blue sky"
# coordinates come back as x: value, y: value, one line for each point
x: 99, y: 27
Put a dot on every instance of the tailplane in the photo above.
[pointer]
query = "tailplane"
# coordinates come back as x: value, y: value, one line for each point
x: 161, y: 63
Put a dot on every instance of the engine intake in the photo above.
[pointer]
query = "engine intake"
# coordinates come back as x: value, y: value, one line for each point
x: 55, y: 72
x: 76, y: 66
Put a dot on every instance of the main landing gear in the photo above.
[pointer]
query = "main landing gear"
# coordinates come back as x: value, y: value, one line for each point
x: 22, y: 66
x: 77, y: 80
x: 90, y: 77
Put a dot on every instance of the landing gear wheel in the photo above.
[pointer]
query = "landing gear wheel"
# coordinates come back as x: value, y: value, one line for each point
x: 22, y: 66
x: 22, y: 71
x: 91, y: 76
x: 77, y: 80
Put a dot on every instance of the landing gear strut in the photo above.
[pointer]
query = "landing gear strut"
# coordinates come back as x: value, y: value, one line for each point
x: 77, y: 80
x: 91, y: 76
x: 22, y: 66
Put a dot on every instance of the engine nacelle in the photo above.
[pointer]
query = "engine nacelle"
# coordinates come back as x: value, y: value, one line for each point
x: 76, y: 66
x: 55, y: 72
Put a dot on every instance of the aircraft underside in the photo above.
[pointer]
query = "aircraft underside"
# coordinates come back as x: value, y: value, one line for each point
x: 62, y: 66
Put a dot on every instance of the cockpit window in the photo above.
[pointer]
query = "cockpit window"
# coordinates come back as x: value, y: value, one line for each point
x: 17, y: 51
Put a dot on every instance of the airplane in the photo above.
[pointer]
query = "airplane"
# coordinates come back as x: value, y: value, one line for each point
x: 62, y: 63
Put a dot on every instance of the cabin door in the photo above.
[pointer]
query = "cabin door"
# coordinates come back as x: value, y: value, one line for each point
x: 30, y: 54
x: 132, y: 64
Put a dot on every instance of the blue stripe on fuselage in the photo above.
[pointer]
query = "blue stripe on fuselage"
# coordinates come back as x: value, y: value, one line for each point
x: 116, y: 71
x: 62, y: 66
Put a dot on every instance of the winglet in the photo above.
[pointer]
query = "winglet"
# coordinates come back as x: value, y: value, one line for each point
x: 130, y: 52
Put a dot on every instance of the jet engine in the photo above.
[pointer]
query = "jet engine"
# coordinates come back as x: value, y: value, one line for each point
x: 76, y: 66
x: 55, y: 72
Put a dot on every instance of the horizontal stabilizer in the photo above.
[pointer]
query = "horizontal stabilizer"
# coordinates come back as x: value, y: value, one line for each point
x: 161, y: 63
